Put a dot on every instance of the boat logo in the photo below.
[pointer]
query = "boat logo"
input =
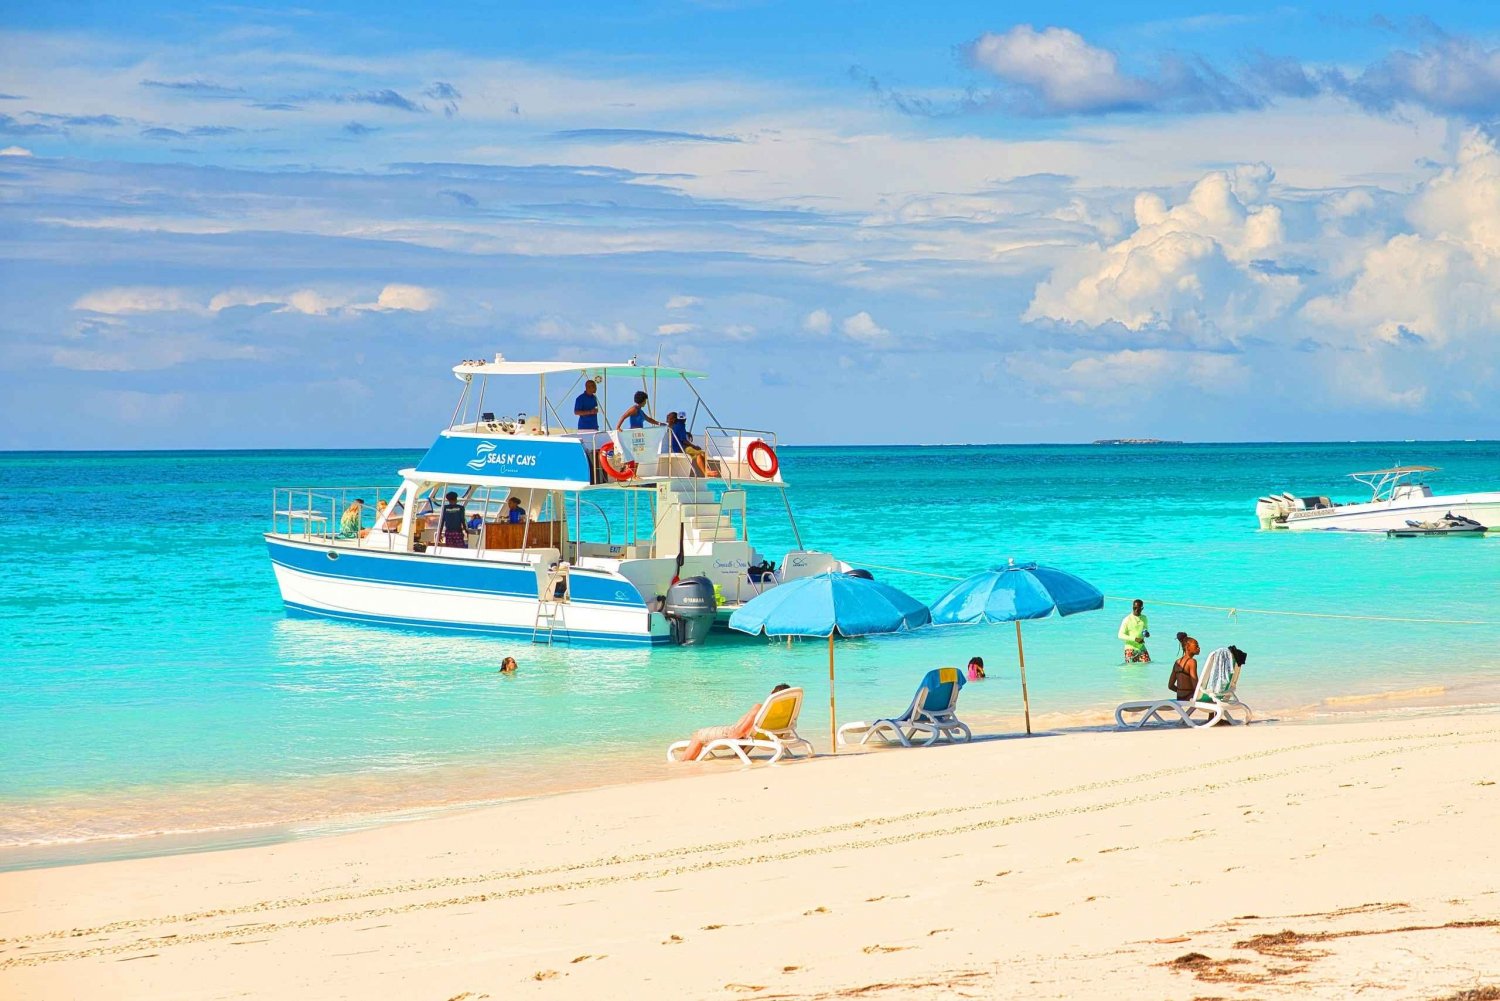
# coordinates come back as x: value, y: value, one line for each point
x: 485, y: 455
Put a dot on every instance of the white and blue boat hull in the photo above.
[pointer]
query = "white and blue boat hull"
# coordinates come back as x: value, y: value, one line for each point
x: 453, y: 593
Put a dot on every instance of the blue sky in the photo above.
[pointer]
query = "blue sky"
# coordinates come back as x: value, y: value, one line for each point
x: 257, y: 226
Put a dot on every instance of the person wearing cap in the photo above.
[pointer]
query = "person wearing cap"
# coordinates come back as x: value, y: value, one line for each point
x: 351, y: 522
x: 586, y: 407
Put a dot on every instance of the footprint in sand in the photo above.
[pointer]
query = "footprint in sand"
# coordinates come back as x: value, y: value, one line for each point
x: 673, y: 940
x: 712, y: 927
x: 544, y: 975
x: 790, y: 969
x: 872, y: 949
x: 743, y: 987
x: 816, y: 910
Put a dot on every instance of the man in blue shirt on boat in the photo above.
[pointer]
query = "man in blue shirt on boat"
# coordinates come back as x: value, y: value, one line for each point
x: 586, y: 407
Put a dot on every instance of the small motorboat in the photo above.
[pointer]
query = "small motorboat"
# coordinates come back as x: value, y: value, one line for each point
x: 1448, y: 524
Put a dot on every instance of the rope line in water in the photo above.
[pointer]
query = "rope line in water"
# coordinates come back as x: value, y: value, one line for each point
x: 1232, y: 610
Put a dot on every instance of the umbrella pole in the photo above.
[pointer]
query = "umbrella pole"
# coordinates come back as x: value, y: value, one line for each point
x: 833, y: 724
x: 1025, y: 699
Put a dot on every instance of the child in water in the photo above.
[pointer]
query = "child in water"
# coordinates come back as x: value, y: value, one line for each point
x: 976, y: 668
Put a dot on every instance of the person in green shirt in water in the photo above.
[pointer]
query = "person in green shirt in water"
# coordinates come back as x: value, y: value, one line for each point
x: 1134, y: 633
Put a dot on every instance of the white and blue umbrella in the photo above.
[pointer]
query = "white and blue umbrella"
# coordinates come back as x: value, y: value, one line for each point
x: 829, y: 604
x: 1014, y: 592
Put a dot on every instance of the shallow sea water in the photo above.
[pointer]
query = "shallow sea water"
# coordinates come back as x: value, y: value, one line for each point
x: 153, y: 684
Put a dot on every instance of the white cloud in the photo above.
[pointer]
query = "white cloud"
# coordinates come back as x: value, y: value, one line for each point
x: 1068, y: 72
x: 1438, y: 285
x: 676, y: 328
x: 1188, y: 266
x: 683, y: 302
x: 231, y: 298
x: 817, y: 322
x: 15, y: 151
x: 127, y: 299
x: 312, y: 303
x: 738, y: 332
x: 863, y: 328
x: 1096, y: 377
x: 411, y: 298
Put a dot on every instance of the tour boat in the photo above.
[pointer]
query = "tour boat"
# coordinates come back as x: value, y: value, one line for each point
x: 1397, y: 496
x: 625, y: 537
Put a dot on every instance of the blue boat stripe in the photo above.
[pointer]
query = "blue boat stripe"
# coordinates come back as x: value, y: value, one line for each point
x: 559, y: 636
x: 441, y: 577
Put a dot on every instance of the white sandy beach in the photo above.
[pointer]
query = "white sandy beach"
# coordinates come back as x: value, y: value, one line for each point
x: 1344, y: 858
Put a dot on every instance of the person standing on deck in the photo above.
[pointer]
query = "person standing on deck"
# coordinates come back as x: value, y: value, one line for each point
x: 453, y: 521
x: 586, y: 407
x: 1134, y: 632
x: 636, y: 416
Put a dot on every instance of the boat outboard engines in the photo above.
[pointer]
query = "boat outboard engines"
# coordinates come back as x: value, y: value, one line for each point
x: 690, y: 609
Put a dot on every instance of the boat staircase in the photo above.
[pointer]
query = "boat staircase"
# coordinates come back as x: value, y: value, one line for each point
x: 705, y: 518
x: 551, y: 606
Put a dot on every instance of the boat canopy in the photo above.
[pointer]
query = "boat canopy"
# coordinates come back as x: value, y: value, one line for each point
x: 501, y: 366
x: 1398, y: 471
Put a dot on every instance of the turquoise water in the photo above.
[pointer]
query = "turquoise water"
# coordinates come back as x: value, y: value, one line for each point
x: 152, y: 682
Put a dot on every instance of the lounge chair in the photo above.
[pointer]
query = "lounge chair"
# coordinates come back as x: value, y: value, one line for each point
x: 774, y: 730
x: 931, y: 712
x: 1213, y: 702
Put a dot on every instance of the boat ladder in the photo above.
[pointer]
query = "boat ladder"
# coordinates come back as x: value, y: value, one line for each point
x: 551, y: 605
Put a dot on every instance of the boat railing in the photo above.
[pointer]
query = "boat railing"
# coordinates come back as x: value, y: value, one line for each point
x: 728, y: 450
x: 315, y: 512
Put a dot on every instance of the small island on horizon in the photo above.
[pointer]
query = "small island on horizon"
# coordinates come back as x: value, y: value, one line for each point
x: 1135, y: 441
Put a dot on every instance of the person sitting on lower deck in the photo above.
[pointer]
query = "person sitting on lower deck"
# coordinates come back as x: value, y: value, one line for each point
x: 452, y: 524
x: 352, y: 521
x: 738, y: 731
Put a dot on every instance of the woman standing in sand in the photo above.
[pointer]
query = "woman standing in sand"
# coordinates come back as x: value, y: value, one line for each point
x: 1184, y: 679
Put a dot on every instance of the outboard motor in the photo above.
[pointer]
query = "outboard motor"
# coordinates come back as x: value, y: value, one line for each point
x: 690, y: 608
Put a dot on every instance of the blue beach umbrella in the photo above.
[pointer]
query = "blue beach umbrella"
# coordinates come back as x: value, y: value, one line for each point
x: 828, y: 604
x: 1014, y: 592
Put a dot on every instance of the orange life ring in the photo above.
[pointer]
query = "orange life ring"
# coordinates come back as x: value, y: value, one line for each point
x: 772, y: 463
x: 609, y: 468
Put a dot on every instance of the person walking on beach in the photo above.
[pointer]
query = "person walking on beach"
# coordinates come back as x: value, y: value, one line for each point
x: 1184, y: 678
x: 1134, y: 633
x: 452, y: 526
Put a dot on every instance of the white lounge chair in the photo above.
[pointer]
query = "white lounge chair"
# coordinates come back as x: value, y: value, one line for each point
x: 1214, y: 700
x: 774, y: 730
x: 931, y: 712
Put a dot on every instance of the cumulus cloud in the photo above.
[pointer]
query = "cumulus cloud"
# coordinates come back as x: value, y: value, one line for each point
x: 819, y: 321
x: 1056, y: 71
x: 1191, y: 266
x: 127, y: 299
x: 683, y: 302
x: 15, y: 151
x: 1439, y: 283
x: 863, y: 328
x: 412, y: 298
x: 670, y: 329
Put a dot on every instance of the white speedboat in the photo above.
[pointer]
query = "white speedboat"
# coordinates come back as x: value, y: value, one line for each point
x: 1397, y: 496
x: 581, y: 536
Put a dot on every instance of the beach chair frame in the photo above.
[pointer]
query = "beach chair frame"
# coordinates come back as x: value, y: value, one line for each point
x: 779, y: 743
x: 1204, y: 709
x: 937, y: 723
